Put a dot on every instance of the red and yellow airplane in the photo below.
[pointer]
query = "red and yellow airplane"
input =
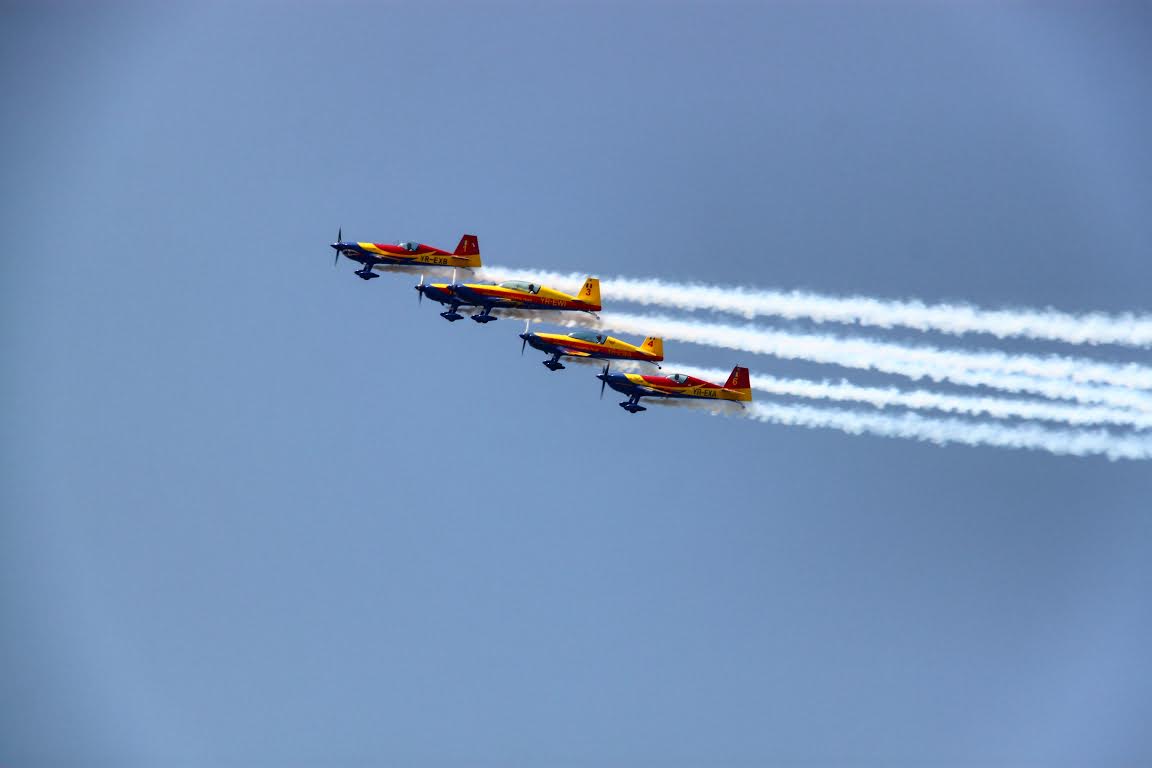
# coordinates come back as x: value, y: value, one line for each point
x: 510, y: 294
x: 676, y: 385
x: 375, y: 255
x: 591, y: 344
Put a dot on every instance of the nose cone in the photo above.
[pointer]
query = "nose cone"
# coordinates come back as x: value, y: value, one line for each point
x: 527, y: 336
x: 437, y: 292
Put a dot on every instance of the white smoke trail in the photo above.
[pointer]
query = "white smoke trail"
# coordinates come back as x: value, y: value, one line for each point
x: 1079, y: 370
x: 1127, y: 329
x: 942, y: 431
x: 913, y: 426
x: 969, y: 369
x: 883, y: 397
x: 1065, y: 369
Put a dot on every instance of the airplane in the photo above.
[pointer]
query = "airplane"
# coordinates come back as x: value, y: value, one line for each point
x: 371, y: 255
x: 676, y: 385
x: 591, y: 344
x: 510, y: 294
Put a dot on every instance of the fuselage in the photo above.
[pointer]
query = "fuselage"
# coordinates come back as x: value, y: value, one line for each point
x: 412, y: 254
x: 675, y: 385
x: 495, y: 296
x: 592, y: 345
x: 536, y: 297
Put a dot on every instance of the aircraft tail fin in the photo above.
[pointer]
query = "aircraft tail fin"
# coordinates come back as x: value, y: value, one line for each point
x: 739, y: 381
x: 654, y: 345
x: 469, y: 248
x: 590, y: 292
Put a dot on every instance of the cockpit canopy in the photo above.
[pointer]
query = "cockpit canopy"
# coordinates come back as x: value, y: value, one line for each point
x: 520, y: 285
x: 678, y: 378
x: 410, y: 247
x: 592, y: 338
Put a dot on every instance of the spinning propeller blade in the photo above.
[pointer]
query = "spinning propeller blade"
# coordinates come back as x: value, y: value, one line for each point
x: 339, y: 239
x: 525, y: 337
x: 604, y: 381
x: 420, y: 291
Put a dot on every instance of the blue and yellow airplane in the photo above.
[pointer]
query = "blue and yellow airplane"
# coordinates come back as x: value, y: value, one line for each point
x: 406, y: 254
x: 510, y: 294
x: 583, y: 344
x: 676, y: 385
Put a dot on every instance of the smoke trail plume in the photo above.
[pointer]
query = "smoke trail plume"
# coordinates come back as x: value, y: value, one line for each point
x: 1079, y: 370
x: 883, y: 397
x: 942, y: 431
x: 1128, y: 329
x: 913, y: 426
x: 959, y: 367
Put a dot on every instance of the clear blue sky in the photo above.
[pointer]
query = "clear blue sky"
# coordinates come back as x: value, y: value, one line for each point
x: 256, y: 511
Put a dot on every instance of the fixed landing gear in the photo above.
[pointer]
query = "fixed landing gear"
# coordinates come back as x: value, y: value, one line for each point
x: 554, y: 364
x: 485, y: 316
x: 632, y: 405
x: 452, y: 315
x: 366, y: 273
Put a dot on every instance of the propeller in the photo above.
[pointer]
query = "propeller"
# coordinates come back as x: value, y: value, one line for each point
x: 339, y: 239
x: 604, y: 380
x: 420, y: 291
x: 524, y: 336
